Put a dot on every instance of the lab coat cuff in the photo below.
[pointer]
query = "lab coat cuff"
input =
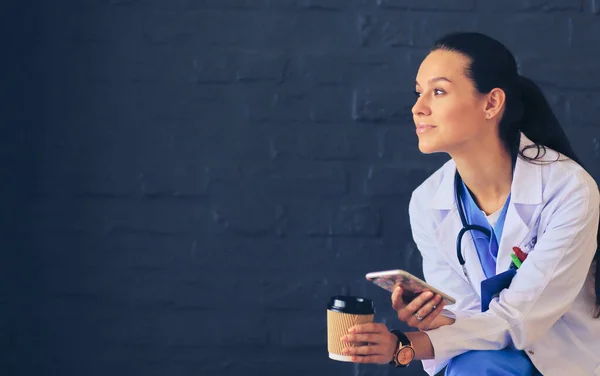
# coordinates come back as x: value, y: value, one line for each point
x: 433, y: 366
x: 443, y: 350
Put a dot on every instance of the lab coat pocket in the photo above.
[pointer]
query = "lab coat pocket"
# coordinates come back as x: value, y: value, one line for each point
x: 529, y: 242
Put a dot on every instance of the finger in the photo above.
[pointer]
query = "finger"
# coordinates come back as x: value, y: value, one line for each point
x: 426, y: 309
x: 397, y: 301
x: 378, y: 359
x: 370, y: 338
x: 419, y: 301
x: 368, y: 328
x: 426, y: 323
x: 363, y: 350
x: 406, y: 314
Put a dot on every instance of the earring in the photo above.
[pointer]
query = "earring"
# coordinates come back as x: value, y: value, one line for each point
x: 487, y: 115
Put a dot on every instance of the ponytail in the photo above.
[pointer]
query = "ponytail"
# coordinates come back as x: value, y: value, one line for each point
x: 531, y: 114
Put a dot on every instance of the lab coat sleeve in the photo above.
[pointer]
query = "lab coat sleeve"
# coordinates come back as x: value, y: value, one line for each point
x: 544, y: 287
x: 438, y: 273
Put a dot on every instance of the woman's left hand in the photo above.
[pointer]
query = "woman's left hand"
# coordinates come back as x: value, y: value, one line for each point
x: 380, y: 343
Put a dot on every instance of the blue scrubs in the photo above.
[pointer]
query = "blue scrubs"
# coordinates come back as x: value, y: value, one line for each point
x: 506, y: 362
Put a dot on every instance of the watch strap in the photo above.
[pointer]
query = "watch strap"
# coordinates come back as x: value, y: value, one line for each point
x: 402, y: 342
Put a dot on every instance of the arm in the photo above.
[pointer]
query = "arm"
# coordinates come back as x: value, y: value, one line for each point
x: 439, y: 273
x: 529, y: 308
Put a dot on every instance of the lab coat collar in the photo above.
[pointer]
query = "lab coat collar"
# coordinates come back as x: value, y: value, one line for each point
x: 526, y: 197
x: 527, y: 176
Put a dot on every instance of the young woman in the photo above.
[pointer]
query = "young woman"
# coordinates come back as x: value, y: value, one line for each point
x: 513, y: 186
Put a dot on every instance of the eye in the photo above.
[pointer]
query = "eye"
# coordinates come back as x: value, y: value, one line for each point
x: 417, y: 94
x: 438, y: 91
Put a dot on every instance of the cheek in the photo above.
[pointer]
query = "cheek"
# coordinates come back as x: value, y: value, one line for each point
x: 459, y: 120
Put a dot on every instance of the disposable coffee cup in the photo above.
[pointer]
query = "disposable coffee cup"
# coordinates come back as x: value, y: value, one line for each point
x: 343, y: 312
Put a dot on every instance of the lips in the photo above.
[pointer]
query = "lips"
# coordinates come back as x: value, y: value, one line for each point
x: 422, y: 128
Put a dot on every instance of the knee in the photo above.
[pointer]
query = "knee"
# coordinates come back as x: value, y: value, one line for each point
x: 487, y: 363
x: 471, y: 363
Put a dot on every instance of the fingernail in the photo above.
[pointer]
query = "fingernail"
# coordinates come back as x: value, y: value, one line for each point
x: 344, y: 338
x: 428, y: 294
x: 351, y: 330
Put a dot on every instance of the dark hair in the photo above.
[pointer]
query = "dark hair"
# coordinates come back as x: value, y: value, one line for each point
x: 526, y: 108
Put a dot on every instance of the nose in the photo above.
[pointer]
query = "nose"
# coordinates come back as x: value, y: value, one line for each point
x: 421, y: 108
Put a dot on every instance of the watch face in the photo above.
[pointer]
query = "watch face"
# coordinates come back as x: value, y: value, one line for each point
x: 405, y: 355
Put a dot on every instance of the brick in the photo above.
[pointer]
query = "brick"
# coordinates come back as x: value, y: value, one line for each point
x: 301, y: 291
x: 323, y: 69
x: 218, y: 4
x: 254, y: 67
x: 439, y: 5
x: 288, y: 106
x: 249, y: 214
x: 324, y: 145
x: 198, y: 105
x: 583, y: 28
x: 66, y: 215
x: 131, y: 251
x: 186, y: 287
x: 329, y: 5
x: 583, y: 107
x: 319, y: 179
x: 83, y: 182
x: 264, y: 4
x: 585, y: 140
x: 309, y: 329
x: 400, y: 143
x: 533, y: 5
x: 428, y: 27
x: 187, y: 328
x: 520, y: 37
x: 391, y: 180
x: 558, y: 102
x: 217, y: 28
x: 261, y: 254
x: 382, y: 105
x: 311, y: 181
x: 339, y: 69
x: 384, y: 30
x: 99, y: 25
x: 157, y: 217
x: 356, y: 221
x: 582, y: 73
x: 179, y: 181
x: 325, y: 105
x: 292, y: 362
x: 330, y: 106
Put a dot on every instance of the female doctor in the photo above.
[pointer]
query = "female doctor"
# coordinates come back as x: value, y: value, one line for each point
x: 513, y: 181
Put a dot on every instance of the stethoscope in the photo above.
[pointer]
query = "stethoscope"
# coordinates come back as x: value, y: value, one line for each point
x: 466, y: 226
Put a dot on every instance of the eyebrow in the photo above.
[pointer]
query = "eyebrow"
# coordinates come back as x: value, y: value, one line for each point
x: 435, y: 79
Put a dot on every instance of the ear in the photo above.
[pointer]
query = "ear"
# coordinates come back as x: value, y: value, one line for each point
x: 494, y: 104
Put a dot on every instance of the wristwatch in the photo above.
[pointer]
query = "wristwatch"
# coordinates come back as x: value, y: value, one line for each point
x: 404, y: 353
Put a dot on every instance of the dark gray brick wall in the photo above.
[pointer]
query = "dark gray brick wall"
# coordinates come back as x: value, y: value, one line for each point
x: 187, y: 182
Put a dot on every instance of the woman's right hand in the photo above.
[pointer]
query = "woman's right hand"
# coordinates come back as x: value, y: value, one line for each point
x: 422, y: 312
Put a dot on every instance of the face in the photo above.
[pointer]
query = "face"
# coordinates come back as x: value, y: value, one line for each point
x: 449, y: 112
x: 406, y: 355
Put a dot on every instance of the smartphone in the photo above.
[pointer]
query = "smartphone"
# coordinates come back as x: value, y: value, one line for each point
x: 411, y: 285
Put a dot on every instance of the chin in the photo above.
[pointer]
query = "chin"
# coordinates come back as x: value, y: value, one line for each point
x: 429, y: 147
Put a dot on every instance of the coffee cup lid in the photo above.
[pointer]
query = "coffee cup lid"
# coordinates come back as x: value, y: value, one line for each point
x: 351, y: 304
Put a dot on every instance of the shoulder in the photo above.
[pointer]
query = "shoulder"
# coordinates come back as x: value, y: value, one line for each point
x: 562, y: 176
x: 430, y: 187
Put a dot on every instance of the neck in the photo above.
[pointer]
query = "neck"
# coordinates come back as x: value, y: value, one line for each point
x: 486, y: 169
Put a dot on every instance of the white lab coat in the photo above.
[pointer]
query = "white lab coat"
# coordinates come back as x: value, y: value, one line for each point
x: 546, y: 311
